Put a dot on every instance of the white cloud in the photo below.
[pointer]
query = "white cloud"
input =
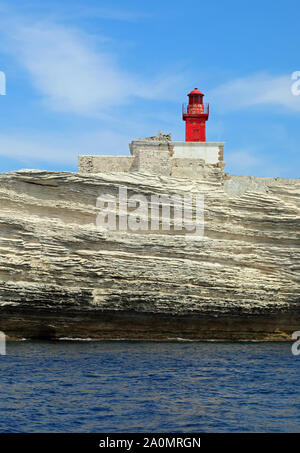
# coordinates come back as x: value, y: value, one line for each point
x: 242, y: 159
x: 254, y: 90
x: 61, y: 149
x: 254, y: 162
x: 73, y: 75
x: 109, y: 13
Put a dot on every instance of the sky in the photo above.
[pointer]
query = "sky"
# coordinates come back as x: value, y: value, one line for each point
x: 89, y: 76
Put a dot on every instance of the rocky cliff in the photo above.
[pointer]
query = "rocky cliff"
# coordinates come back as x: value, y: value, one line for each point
x: 61, y: 277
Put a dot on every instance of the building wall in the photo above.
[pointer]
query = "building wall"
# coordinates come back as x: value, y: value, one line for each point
x: 162, y: 157
x: 192, y: 168
x: 151, y: 157
x: 211, y: 152
x: 153, y: 161
x: 104, y: 164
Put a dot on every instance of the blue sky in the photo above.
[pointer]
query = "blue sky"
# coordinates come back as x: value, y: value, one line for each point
x: 89, y: 76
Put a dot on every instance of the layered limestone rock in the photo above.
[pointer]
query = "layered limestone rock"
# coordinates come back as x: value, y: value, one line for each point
x: 60, y: 276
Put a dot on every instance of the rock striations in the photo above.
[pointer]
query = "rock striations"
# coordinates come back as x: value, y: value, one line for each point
x: 60, y: 276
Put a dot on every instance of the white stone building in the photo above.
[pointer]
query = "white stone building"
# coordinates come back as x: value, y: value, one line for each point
x: 160, y: 156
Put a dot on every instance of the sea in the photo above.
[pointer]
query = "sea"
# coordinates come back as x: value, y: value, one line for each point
x: 139, y: 386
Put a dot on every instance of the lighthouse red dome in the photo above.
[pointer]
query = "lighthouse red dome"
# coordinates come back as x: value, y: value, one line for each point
x: 195, y: 91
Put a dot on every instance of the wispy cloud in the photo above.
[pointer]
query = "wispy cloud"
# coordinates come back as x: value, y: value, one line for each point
x: 242, y: 159
x: 254, y: 162
x: 110, y: 13
x: 256, y: 90
x: 53, y: 148
x: 74, y: 75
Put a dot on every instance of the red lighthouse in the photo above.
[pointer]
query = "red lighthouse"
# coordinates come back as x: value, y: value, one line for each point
x: 195, y: 114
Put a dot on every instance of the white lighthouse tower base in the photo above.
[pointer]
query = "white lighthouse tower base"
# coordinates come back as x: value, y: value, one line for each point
x: 211, y: 152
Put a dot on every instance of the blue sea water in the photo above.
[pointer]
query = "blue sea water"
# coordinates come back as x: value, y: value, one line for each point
x: 120, y: 386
